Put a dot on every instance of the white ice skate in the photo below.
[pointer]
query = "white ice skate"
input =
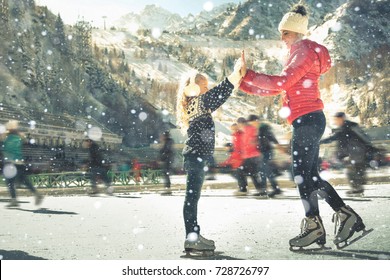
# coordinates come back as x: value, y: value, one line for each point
x: 312, y: 231
x: 196, y: 245
x: 347, y: 222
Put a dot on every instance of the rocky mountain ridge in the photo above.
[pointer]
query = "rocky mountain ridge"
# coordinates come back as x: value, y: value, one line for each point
x: 116, y: 75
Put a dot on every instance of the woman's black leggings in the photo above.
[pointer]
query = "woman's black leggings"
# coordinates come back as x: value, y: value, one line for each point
x: 307, y: 132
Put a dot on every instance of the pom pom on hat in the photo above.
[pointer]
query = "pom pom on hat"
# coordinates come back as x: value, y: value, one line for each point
x: 296, y: 20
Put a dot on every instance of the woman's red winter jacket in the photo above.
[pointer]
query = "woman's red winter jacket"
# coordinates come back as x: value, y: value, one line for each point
x: 299, y: 79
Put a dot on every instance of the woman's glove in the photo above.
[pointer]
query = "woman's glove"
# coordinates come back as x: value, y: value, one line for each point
x: 238, y: 71
x: 235, y: 77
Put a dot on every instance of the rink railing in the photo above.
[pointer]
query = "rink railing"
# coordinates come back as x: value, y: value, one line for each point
x: 82, y: 179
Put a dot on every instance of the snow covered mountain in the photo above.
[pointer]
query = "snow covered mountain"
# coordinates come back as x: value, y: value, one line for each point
x: 151, y: 17
x: 156, y: 17
x: 255, y: 19
x: 145, y: 55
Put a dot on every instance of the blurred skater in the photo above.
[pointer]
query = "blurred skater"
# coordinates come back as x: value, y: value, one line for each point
x: 166, y: 157
x: 251, y: 165
x: 98, y: 167
x: 267, y: 141
x: 234, y: 161
x: 15, y: 170
x: 353, y: 147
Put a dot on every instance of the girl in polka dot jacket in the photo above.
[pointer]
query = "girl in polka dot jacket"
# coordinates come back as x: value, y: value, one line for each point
x: 195, y: 105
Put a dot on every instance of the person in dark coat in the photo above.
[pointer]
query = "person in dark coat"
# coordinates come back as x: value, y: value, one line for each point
x: 267, y: 140
x: 98, y: 167
x: 166, y: 157
x: 353, y: 147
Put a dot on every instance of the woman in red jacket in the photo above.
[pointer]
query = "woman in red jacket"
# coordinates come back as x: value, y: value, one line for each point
x: 298, y: 83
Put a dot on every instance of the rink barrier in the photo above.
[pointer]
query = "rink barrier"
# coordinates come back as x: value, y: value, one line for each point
x: 82, y: 179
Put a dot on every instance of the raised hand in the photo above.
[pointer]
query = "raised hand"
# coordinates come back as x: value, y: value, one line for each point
x: 236, y: 76
x: 243, y: 66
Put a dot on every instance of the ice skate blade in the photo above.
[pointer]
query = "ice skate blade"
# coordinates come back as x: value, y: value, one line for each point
x: 298, y: 249
x: 193, y: 253
x: 166, y: 193
x: 240, y: 194
x: 12, y: 206
x: 346, y: 243
x: 355, y: 194
x: 260, y: 196
x: 93, y: 194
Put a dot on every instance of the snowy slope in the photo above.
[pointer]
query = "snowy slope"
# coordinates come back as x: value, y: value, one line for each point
x: 214, y: 47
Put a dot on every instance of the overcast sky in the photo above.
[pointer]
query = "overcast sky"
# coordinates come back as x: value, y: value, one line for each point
x: 94, y: 10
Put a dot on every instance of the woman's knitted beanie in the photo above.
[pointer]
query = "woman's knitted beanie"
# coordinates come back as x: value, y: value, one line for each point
x: 295, y: 20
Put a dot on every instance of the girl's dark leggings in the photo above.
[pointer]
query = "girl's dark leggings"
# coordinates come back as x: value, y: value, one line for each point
x: 194, y: 167
x: 307, y: 132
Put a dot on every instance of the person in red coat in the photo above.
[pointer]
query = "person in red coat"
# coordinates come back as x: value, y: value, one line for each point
x: 235, y: 158
x: 251, y: 157
x: 302, y: 104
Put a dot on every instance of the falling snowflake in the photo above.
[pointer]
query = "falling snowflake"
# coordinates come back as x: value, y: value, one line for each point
x: 192, y: 237
x: 142, y: 116
x: 298, y: 179
x: 97, y: 204
x: 336, y: 27
x: 9, y: 171
x: 307, y: 83
x: 208, y: 6
x: 156, y: 32
x: 95, y: 133
x: 284, y: 112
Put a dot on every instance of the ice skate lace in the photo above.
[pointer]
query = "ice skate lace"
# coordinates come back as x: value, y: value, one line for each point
x: 338, y: 223
x: 304, y: 227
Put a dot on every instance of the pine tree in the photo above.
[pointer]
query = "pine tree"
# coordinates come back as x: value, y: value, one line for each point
x: 83, y: 40
x: 4, y: 16
x: 60, y: 34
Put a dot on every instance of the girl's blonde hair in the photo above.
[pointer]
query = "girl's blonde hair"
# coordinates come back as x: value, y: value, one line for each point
x: 183, y: 100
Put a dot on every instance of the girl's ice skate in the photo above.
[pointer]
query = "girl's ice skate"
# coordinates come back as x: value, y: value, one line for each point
x: 207, y: 241
x: 201, y: 247
x: 312, y: 231
x: 348, y: 222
